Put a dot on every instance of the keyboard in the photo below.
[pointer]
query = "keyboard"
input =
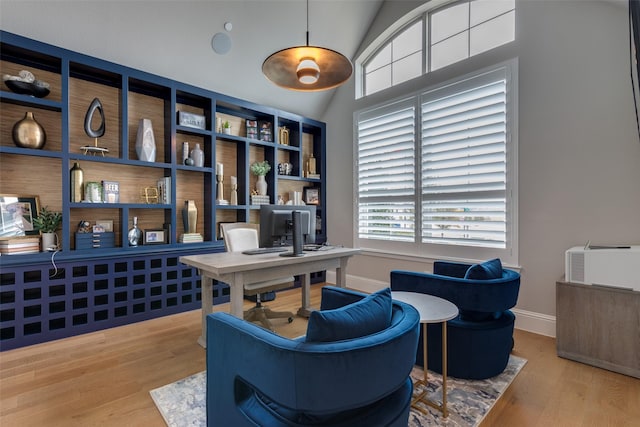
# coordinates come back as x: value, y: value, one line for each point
x: 259, y: 251
x: 311, y: 247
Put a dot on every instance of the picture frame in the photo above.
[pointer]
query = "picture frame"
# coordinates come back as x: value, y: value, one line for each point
x: 191, y: 120
x: 265, y: 131
x: 311, y: 196
x: 156, y: 236
x: 106, y: 224
x: 17, y: 214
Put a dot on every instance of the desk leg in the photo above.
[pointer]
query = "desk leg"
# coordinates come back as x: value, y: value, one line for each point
x: 305, y: 283
x: 341, y: 273
x: 236, y: 296
x: 207, y: 306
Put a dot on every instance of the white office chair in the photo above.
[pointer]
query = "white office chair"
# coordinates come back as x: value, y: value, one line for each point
x: 239, y: 237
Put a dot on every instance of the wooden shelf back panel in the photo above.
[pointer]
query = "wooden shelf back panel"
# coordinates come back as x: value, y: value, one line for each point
x: 132, y: 180
x: 92, y: 215
x: 54, y: 79
x: 190, y: 186
x: 152, y: 108
x: 37, y: 177
x: 81, y: 94
x: 49, y: 120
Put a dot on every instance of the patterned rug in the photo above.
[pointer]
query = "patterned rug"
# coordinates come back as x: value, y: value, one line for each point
x: 182, y: 404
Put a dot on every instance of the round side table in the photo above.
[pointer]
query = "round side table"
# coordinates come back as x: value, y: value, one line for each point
x: 432, y: 310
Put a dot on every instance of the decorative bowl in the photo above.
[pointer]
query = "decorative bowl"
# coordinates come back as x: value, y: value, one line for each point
x: 25, y: 88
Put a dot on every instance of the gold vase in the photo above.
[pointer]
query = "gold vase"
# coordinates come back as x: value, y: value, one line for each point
x: 27, y: 133
x: 190, y: 216
x: 77, y: 183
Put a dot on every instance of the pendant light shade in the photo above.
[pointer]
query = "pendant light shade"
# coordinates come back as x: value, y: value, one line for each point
x: 307, y: 68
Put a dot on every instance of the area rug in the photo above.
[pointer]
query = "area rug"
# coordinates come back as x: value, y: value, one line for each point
x: 182, y: 404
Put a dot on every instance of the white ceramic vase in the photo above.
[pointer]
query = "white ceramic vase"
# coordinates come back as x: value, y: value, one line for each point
x: 261, y: 185
x: 145, y: 141
x: 198, y: 156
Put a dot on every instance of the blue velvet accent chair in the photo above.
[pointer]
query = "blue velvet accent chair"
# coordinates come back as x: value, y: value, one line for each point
x: 480, y: 339
x: 257, y: 378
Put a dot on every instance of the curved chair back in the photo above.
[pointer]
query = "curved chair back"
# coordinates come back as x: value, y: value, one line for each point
x: 240, y: 236
x: 256, y: 377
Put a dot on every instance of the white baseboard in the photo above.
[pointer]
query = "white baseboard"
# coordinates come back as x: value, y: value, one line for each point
x: 537, y: 323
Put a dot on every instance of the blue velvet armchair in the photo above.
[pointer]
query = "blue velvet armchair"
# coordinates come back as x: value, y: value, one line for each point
x: 257, y: 378
x: 480, y: 339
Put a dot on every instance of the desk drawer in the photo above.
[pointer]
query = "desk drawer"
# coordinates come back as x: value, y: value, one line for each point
x: 95, y: 240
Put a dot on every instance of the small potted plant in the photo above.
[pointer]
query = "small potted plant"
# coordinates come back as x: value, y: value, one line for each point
x: 226, y: 127
x: 48, y: 222
x: 260, y: 169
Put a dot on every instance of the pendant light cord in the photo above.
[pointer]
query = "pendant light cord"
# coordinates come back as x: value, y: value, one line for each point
x: 307, y: 22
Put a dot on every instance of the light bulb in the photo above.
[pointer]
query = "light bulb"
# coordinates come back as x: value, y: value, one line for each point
x: 308, y: 71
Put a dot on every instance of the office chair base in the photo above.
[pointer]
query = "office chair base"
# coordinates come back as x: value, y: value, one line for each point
x: 262, y: 314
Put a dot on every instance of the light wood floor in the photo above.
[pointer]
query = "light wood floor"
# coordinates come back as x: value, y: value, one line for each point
x: 104, y: 378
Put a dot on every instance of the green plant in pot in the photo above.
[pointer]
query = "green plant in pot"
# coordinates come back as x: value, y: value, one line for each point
x: 48, y: 222
x: 260, y: 169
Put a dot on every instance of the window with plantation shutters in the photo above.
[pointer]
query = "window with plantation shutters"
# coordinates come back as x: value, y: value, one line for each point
x: 386, y: 173
x: 463, y: 164
x: 436, y: 172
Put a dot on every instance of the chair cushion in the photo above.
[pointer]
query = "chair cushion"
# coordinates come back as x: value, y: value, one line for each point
x: 488, y: 270
x: 369, y: 315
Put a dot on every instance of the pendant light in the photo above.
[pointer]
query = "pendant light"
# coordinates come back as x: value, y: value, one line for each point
x: 307, y: 68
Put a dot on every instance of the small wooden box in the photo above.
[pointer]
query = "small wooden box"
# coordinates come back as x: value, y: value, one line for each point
x: 95, y: 240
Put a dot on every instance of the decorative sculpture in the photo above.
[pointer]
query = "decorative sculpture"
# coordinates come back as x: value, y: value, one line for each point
x: 95, y: 105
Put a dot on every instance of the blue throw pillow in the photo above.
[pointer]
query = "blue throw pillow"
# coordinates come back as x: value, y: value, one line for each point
x: 488, y: 270
x: 369, y: 315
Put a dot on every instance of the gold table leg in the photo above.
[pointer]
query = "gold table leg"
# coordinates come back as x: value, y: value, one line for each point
x: 422, y: 397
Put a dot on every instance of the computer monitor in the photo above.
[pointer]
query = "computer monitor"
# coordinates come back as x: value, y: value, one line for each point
x: 276, y: 224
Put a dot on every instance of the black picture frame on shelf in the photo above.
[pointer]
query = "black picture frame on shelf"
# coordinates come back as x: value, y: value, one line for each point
x: 265, y: 131
x: 252, y: 129
x: 17, y: 215
x: 312, y: 196
x: 155, y: 236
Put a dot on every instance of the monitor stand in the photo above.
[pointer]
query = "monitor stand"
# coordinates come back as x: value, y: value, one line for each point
x: 298, y: 239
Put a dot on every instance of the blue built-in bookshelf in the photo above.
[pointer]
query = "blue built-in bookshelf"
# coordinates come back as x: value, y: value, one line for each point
x: 47, y: 295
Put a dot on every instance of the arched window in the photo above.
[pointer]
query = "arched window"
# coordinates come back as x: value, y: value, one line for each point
x: 436, y: 171
x: 439, y: 37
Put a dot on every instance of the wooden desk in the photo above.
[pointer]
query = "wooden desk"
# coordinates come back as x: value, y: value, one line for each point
x: 236, y: 269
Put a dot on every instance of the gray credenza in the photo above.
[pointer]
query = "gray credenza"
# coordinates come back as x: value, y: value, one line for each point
x: 599, y: 326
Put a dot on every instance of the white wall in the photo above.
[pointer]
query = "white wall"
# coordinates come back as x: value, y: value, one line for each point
x: 579, y: 152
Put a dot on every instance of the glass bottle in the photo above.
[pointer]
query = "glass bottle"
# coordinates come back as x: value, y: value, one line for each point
x: 77, y: 183
x: 135, y: 235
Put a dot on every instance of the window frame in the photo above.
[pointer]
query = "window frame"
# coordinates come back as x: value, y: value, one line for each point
x: 509, y: 255
x: 424, y: 15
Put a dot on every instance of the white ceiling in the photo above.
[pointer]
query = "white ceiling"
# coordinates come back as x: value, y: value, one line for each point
x: 173, y: 38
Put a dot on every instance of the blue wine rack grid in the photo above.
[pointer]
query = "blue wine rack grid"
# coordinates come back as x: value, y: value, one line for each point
x: 40, y: 303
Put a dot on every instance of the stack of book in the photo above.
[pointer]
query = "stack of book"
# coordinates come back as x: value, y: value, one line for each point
x: 164, y: 190
x: 191, y: 238
x: 19, y: 245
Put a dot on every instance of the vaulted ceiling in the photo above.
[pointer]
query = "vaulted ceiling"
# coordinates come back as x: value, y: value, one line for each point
x: 173, y: 38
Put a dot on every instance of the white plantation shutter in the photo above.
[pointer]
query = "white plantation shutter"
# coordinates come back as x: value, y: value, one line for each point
x: 436, y: 173
x: 464, y: 174
x: 386, y: 173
